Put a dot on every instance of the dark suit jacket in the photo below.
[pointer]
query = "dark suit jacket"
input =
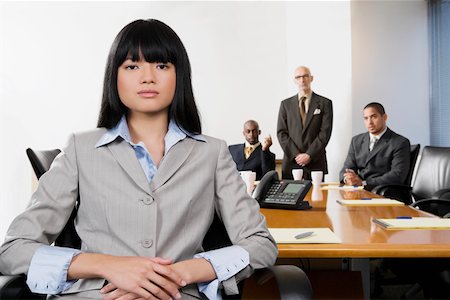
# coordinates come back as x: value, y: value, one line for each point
x: 388, y: 162
x: 311, y: 139
x: 259, y: 161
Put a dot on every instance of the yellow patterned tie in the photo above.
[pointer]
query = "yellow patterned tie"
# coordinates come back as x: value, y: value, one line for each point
x: 248, y: 152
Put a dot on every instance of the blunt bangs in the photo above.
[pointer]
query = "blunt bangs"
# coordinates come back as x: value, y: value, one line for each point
x: 151, y: 39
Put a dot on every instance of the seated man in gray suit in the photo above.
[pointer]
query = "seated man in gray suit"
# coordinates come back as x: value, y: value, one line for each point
x: 379, y: 156
x: 253, y: 155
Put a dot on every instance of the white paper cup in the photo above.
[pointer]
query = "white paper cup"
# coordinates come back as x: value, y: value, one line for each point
x: 249, y: 178
x: 316, y: 194
x: 317, y: 176
x: 297, y: 174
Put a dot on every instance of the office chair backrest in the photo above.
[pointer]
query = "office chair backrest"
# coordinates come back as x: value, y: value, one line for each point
x: 41, y: 160
x: 414, y: 153
x: 438, y: 207
x: 433, y: 172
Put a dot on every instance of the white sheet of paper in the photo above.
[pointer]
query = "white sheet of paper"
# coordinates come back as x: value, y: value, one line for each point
x: 370, y: 202
x: 414, y: 223
x: 344, y: 187
x: 320, y: 236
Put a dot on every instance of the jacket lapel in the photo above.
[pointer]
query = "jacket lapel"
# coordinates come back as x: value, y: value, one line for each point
x: 241, y: 152
x: 254, y: 154
x: 380, y: 144
x: 172, y: 161
x: 295, y: 109
x: 126, y: 157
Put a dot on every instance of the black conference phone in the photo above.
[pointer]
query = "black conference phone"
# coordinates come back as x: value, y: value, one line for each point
x: 284, y: 194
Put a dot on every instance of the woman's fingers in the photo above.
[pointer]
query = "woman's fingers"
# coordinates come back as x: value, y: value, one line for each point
x: 108, y: 288
x: 162, y: 261
x: 170, y: 274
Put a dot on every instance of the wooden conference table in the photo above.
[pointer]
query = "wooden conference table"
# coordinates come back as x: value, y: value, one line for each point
x: 361, y: 238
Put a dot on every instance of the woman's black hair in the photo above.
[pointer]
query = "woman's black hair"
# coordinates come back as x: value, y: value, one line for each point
x: 157, y: 42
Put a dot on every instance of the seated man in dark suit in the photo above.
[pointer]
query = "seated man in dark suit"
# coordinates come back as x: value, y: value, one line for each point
x: 253, y: 155
x: 379, y: 156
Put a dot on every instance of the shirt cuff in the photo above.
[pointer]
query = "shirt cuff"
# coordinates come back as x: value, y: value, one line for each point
x: 226, y: 262
x: 48, y: 269
x: 364, y: 183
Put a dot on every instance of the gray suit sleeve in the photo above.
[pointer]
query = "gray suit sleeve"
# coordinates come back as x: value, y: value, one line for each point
x: 245, y: 225
x: 45, y: 217
x: 399, y: 166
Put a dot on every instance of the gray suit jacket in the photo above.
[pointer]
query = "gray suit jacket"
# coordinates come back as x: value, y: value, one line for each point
x: 121, y: 213
x: 387, y: 163
x: 312, y: 138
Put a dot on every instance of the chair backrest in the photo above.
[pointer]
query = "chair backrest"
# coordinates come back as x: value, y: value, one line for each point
x: 414, y: 153
x: 438, y: 207
x: 433, y: 172
x: 41, y: 162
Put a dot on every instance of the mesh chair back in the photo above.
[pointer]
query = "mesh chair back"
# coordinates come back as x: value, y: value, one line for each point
x: 433, y: 172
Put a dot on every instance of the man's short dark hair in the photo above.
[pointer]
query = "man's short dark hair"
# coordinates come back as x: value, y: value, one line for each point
x: 376, y: 106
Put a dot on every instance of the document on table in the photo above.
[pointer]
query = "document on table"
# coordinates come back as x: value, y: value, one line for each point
x: 403, y: 223
x: 370, y: 202
x: 342, y: 187
x: 318, y: 236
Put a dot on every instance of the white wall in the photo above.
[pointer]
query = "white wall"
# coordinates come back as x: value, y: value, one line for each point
x: 243, y: 54
x: 390, y: 65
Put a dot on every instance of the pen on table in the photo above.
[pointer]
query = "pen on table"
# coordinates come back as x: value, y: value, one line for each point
x: 404, y: 217
x: 304, y: 234
x: 366, y: 198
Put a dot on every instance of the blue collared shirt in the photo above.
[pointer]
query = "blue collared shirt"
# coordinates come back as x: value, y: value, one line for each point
x: 48, y: 268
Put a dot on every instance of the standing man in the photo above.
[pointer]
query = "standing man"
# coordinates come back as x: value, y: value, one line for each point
x: 304, y: 128
x: 253, y: 155
x: 379, y: 156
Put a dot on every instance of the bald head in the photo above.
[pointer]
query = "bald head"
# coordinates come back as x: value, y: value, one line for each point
x: 251, y: 131
x: 303, y: 79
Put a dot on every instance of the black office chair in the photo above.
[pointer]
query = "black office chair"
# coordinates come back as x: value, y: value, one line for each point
x: 390, y: 191
x: 291, y: 281
x: 432, y: 178
x: 41, y: 160
x: 413, y: 154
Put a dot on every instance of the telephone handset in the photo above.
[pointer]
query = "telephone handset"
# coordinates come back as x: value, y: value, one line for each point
x: 284, y: 194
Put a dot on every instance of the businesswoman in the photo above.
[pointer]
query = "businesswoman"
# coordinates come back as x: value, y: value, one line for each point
x: 148, y: 184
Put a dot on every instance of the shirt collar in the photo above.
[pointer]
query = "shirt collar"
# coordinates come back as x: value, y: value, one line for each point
x: 308, y: 96
x: 378, y: 136
x: 174, y: 134
x: 247, y: 144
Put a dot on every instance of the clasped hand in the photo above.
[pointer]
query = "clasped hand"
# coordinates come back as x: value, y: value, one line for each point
x: 302, y: 159
x: 141, y: 278
x: 351, y: 178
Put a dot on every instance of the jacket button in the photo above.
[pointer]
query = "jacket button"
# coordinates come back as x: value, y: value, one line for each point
x: 147, y: 200
x: 147, y: 243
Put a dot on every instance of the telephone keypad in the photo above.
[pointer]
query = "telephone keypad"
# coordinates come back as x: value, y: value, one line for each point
x: 282, y: 198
